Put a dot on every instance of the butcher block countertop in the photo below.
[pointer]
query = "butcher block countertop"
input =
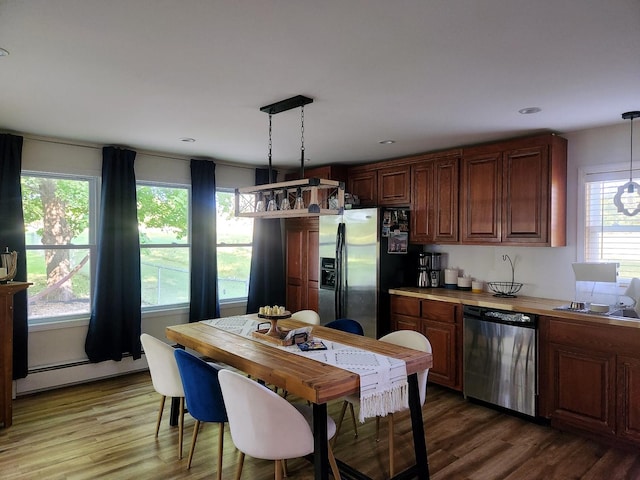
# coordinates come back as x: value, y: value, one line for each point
x: 540, y: 306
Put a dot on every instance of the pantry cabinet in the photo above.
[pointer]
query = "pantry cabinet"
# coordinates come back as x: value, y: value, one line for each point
x: 302, y: 264
x: 514, y: 192
x: 590, y: 378
x: 441, y: 323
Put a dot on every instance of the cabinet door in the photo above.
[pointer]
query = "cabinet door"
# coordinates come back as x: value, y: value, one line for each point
x: 526, y: 195
x: 394, y: 186
x: 365, y: 186
x: 445, y: 200
x: 442, y: 337
x: 422, y: 203
x: 628, y: 398
x: 481, y: 198
x: 583, y: 386
x: 302, y: 264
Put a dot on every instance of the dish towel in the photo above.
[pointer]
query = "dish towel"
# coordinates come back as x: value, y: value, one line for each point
x: 383, y: 380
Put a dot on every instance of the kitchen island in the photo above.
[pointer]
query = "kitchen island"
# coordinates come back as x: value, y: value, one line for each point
x: 588, y: 364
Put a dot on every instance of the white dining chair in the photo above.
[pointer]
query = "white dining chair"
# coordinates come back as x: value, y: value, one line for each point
x: 266, y: 426
x: 165, y: 377
x: 404, y: 338
x: 307, y: 316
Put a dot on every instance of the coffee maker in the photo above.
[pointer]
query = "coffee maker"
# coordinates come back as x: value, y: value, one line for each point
x: 424, y: 264
x: 434, y: 272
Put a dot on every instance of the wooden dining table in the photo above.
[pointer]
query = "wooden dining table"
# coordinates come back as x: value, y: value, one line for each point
x: 311, y: 380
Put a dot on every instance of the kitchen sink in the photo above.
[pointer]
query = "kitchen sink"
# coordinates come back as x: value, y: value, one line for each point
x: 624, y: 312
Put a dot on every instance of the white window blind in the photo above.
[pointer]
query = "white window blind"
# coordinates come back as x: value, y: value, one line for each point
x: 610, y: 236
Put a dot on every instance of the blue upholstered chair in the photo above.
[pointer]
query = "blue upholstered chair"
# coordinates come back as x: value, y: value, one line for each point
x: 203, y: 397
x: 346, y: 325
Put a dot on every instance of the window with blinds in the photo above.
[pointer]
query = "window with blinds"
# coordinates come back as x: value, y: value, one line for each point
x: 610, y: 236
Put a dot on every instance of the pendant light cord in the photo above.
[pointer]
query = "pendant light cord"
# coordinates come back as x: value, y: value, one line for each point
x: 302, y: 142
x: 631, y: 150
x: 270, y: 146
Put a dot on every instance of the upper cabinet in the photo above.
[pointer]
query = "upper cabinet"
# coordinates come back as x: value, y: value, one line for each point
x: 363, y: 182
x: 434, y: 200
x: 514, y: 192
x: 394, y: 185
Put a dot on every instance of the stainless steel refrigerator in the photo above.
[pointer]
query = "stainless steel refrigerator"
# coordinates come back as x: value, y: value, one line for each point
x: 357, y: 268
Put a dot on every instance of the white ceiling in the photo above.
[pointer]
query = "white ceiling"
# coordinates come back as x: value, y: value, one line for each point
x: 429, y: 74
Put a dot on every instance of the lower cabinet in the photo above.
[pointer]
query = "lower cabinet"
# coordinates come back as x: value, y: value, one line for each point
x: 590, y: 378
x: 441, y: 323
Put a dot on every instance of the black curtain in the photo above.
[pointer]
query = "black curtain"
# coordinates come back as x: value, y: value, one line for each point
x: 267, y: 276
x: 114, y: 326
x: 12, y: 236
x: 204, y: 261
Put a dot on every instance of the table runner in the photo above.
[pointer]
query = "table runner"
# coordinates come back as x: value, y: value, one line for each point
x: 383, y: 379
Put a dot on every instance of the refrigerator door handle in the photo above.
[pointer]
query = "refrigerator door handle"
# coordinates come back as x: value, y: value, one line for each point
x: 339, y: 284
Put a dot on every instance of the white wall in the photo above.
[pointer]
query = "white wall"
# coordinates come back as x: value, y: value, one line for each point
x: 56, y: 351
x: 546, y: 272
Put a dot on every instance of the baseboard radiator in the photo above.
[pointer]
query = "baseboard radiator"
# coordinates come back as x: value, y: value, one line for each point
x: 55, y: 376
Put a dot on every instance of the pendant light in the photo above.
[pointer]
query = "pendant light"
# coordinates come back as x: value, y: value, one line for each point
x: 626, y: 192
x: 250, y: 201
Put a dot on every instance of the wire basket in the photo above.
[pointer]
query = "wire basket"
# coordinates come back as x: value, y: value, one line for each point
x: 505, y: 289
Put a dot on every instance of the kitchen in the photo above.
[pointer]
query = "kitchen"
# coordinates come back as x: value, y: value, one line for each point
x: 545, y: 272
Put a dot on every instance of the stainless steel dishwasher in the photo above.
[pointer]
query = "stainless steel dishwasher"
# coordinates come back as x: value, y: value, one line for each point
x: 501, y: 358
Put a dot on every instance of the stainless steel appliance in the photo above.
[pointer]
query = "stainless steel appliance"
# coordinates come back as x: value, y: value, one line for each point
x: 424, y: 262
x: 434, y: 273
x: 356, y: 270
x: 501, y: 358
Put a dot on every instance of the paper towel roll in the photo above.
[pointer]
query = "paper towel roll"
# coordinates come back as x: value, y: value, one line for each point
x: 451, y: 276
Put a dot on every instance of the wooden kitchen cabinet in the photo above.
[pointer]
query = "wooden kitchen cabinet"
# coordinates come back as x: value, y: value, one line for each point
x: 364, y: 184
x: 394, y: 185
x: 590, y: 378
x: 441, y: 323
x: 434, y: 201
x: 628, y: 399
x: 514, y: 192
x: 7, y: 291
x: 302, y: 263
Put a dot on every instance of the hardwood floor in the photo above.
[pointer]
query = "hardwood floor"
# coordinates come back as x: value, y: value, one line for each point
x: 106, y: 429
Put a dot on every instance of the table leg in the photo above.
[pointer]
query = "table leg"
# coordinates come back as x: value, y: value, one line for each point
x: 419, y: 443
x: 174, y: 414
x: 321, y: 445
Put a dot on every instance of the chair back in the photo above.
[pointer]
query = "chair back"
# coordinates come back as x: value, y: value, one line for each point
x: 417, y: 341
x: 346, y: 325
x: 162, y: 366
x: 201, y: 388
x: 262, y: 423
x: 307, y: 316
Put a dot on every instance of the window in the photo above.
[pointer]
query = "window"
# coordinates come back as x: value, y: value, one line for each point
x: 234, y: 239
x: 59, y: 216
x: 163, y: 221
x: 609, y: 236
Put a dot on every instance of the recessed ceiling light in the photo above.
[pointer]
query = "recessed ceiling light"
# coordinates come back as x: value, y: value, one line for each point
x: 187, y: 139
x: 4, y: 53
x: 529, y: 110
x: 386, y: 142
